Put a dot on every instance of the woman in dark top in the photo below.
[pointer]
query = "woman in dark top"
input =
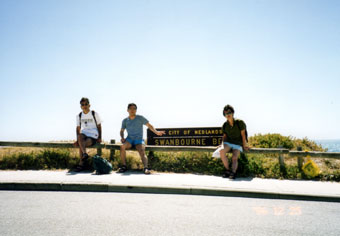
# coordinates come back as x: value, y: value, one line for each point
x: 234, y: 140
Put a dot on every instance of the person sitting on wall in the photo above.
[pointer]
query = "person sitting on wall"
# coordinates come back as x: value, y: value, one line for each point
x: 89, y: 131
x: 234, y: 140
x: 134, y: 126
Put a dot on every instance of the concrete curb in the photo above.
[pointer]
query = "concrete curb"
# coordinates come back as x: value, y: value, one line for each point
x: 83, y: 187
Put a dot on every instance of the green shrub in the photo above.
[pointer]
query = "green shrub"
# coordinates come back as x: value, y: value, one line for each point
x: 271, y: 141
x: 308, y: 145
x: 280, y: 141
x: 46, y: 159
x: 186, y: 162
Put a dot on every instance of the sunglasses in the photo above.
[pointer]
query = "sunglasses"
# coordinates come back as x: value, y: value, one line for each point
x: 228, y: 113
x: 84, y: 104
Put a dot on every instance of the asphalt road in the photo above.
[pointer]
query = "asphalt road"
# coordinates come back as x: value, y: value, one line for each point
x: 82, y: 213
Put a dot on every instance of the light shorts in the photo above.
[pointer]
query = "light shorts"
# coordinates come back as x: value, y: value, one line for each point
x: 135, y: 142
x: 234, y: 146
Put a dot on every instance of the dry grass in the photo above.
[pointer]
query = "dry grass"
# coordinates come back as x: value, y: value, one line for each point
x: 183, y: 162
x: 326, y: 165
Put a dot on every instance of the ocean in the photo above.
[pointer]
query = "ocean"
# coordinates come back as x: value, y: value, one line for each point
x: 332, y: 145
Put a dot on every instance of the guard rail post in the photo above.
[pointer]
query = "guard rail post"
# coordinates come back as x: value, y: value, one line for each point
x: 99, y: 150
x: 112, y: 151
x: 281, y: 160
x: 299, y: 159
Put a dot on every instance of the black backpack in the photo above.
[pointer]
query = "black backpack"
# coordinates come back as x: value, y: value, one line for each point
x: 238, y: 125
x: 94, y: 117
x: 101, y: 165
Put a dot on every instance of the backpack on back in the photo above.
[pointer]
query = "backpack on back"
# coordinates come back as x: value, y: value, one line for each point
x: 238, y: 125
x: 101, y: 165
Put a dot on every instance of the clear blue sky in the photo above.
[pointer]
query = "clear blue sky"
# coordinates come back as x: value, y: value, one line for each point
x: 277, y: 62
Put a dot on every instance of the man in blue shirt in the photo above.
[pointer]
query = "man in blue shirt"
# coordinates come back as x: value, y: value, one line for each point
x: 134, y: 127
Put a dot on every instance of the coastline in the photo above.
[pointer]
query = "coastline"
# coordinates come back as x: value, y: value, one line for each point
x: 332, y: 145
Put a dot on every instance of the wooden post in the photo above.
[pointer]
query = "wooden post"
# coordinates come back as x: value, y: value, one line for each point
x: 281, y: 161
x: 112, y: 152
x: 299, y: 159
x: 99, y: 151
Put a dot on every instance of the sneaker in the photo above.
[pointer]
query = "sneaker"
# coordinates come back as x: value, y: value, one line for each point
x: 226, y: 174
x: 147, y: 171
x: 122, y: 169
x: 85, y: 156
x: 79, y: 168
x: 232, y: 175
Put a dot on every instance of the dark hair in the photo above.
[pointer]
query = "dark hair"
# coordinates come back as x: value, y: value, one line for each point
x: 228, y: 107
x: 83, y: 99
x: 132, y: 104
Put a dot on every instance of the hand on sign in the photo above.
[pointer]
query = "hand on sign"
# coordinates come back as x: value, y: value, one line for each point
x: 160, y: 133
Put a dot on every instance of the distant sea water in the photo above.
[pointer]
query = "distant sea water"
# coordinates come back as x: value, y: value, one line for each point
x: 332, y: 145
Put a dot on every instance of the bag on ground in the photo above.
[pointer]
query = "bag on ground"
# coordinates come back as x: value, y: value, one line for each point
x: 101, y: 165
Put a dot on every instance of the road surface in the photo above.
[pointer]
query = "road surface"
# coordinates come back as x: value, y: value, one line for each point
x: 90, y: 213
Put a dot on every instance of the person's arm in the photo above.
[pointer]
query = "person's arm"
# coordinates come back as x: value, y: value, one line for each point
x: 159, y: 133
x: 78, y: 131
x: 98, y: 122
x: 77, y: 134
x: 224, y: 139
x: 78, y: 126
x: 99, y: 127
x: 122, y: 135
x: 244, y: 141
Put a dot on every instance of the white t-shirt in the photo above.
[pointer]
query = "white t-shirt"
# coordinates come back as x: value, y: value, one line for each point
x: 88, y: 125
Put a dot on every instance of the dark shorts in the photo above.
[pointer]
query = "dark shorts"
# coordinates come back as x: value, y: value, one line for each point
x: 93, y: 140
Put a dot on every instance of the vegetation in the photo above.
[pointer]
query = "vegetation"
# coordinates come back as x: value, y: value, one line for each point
x: 280, y: 141
x: 38, y: 160
x: 250, y: 165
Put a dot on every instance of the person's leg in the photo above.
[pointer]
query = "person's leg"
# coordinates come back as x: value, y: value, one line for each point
x: 123, y: 149
x: 83, y: 142
x: 236, y: 154
x: 223, y: 156
x: 141, y: 150
x: 85, y: 156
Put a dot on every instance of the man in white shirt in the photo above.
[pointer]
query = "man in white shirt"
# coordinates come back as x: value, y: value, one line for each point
x: 89, y: 131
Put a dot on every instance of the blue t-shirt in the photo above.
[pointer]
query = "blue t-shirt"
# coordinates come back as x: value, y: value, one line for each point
x: 134, y: 127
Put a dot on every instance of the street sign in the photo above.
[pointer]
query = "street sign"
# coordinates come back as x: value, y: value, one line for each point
x: 208, y: 136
